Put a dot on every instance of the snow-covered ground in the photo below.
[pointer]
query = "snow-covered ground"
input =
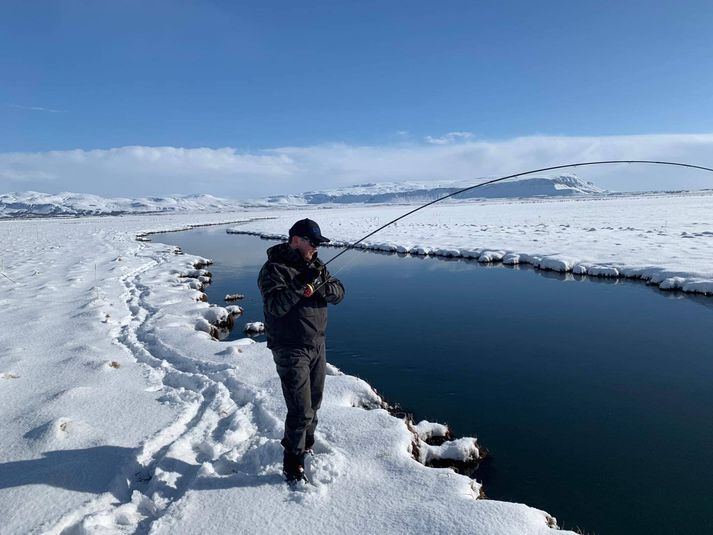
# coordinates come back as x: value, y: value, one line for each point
x: 34, y: 204
x: 664, y: 239
x: 122, y: 414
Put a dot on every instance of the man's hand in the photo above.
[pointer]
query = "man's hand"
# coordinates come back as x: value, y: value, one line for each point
x: 308, y: 275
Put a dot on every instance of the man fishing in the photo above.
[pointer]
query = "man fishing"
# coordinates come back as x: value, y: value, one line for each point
x: 296, y: 288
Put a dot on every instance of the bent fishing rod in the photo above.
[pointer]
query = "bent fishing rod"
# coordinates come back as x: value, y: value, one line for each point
x: 500, y: 179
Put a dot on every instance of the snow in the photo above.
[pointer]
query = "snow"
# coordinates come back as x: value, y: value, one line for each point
x: 462, y: 449
x: 400, y: 192
x: 123, y: 414
x: 664, y: 239
x: 427, y: 430
x: 255, y: 327
x: 33, y: 203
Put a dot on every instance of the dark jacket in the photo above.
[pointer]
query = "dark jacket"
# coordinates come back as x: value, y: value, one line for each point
x: 292, y: 320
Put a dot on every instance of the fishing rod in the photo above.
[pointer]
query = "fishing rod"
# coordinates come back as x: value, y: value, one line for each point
x: 500, y: 179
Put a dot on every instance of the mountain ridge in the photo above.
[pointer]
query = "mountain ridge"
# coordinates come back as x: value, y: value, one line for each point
x: 386, y: 192
x: 67, y: 204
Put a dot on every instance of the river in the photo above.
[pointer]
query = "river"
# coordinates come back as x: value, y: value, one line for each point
x: 593, y: 396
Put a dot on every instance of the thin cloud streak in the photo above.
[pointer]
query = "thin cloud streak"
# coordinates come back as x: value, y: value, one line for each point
x: 229, y: 172
x: 34, y: 108
x: 449, y: 138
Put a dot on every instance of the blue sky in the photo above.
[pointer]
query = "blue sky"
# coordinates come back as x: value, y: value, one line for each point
x: 257, y: 77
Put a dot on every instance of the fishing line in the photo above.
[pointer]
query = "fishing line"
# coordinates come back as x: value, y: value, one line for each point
x: 500, y: 179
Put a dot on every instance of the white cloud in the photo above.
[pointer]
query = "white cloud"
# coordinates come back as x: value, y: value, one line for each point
x: 34, y: 108
x: 135, y: 171
x: 450, y: 137
x: 20, y: 175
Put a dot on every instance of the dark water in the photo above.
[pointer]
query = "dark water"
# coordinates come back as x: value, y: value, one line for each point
x: 594, y: 398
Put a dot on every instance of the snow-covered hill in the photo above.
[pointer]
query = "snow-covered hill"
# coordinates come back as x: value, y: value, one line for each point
x: 35, y: 204
x: 388, y: 192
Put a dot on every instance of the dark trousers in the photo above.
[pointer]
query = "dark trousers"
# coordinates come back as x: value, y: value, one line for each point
x: 302, y: 372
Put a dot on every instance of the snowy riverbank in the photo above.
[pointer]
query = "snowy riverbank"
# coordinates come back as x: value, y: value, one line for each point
x: 664, y: 239
x: 124, y: 415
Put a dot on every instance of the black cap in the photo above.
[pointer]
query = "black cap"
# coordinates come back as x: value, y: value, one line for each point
x: 306, y: 228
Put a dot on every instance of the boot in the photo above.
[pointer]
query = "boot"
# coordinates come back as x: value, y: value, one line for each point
x: 293, y: 467
x: 309, y: 444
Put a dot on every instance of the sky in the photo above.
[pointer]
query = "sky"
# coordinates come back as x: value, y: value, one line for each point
x: 246, y: 99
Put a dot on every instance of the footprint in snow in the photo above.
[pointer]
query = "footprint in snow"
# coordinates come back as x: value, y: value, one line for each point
x: 325, y: 466
x: 57, y: 428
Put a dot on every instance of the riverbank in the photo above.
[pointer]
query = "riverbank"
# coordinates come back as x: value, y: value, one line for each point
x: 663, y: 239
x: 126, y: 416
x: 540, y: 365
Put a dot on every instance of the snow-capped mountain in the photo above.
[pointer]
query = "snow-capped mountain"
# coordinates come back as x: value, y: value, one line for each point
x: 34, y: 204
x: 562, y: 185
